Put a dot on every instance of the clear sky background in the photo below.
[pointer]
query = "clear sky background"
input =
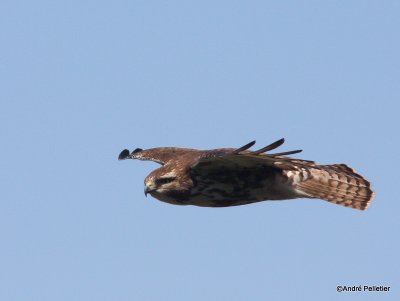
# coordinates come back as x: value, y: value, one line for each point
x: 82, y: 80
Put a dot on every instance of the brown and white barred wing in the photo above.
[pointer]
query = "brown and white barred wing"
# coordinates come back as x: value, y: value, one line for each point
x: 337, y: 183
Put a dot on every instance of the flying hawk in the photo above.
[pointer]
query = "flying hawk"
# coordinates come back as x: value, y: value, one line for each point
x: 229, y: 177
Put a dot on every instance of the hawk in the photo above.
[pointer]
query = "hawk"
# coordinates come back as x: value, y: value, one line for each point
x: 237, y: 176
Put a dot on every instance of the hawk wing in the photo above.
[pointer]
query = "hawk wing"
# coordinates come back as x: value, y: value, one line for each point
x: 231, y: 177
x: 337, y: 183
x: 161, y: 155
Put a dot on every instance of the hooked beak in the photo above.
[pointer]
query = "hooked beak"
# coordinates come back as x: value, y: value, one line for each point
x: 147, y: 190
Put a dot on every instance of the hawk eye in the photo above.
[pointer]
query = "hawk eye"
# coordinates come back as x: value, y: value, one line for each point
x: 162, y: 181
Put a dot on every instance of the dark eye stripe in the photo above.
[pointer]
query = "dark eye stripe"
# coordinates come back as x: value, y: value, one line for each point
x: 161, y: 181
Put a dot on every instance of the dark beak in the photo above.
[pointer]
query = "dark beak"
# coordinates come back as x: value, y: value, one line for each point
x: 147, y: 190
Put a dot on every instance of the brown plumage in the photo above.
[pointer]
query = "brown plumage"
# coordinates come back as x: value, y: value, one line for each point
x: 230, y: 177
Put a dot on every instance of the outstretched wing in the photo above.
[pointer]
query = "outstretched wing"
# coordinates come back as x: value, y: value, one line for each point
x: 231, y: 177
x: 161, y: 155
x: 156, y: 155
x: 337, y: 183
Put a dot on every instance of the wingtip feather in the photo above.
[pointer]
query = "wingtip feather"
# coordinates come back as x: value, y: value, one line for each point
x: 124, y: 154
x: 244, y: 147
x: 269, y: 147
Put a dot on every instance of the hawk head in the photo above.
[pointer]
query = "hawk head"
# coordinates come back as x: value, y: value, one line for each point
x: 169, y: 184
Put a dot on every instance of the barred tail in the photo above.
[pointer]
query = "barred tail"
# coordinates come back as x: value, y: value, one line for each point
x: 336, y: 183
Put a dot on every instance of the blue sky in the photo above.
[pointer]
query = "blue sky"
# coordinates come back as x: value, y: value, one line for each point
x: 82, y: 80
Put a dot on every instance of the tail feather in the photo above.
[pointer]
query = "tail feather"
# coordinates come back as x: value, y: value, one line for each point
x: 336, y: 183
